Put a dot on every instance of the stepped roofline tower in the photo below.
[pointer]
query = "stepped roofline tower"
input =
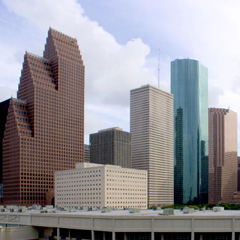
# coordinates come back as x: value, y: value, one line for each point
x: 45, y: 124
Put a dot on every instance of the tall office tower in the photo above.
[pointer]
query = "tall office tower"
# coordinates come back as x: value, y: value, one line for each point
x: 223, y: 162
x: 238, y: 173
x: 151, y: 125
x: 111, y: 146
x: 45, y: 124
x: 189, y: 85
x: 3, y: 117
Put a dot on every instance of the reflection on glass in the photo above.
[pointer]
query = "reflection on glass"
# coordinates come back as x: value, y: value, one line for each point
x: 189, y: 85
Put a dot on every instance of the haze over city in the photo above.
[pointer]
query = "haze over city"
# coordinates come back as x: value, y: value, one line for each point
x: 120, y: 41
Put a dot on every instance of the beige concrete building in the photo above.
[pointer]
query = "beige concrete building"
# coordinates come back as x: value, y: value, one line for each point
x: 151, y: 126
x: 223, y: 165
x: 97, y: 185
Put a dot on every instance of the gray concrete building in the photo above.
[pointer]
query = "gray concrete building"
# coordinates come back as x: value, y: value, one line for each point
x: 120, y: 225
x: 111, y: 146
x: 151, y: 127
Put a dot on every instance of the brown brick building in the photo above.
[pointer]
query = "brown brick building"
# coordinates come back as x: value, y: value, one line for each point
x: 222, y: 154
x: 45, y: 124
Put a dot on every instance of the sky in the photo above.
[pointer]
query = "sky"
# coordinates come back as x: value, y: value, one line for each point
x: 121, y: 41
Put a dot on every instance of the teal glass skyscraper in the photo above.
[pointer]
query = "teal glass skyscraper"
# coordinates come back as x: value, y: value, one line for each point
x: 189, y: 85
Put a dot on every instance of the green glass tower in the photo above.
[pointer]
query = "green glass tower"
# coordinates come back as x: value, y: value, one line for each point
x: 189, y: 85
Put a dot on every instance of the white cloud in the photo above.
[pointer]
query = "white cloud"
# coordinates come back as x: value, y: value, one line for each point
x: 103, y: 116
x: 10, y: 66
x: 111, y: 69
x: 204, y: 30
x: 7, y: 93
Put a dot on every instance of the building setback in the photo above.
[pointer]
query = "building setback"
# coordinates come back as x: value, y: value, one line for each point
x: 97, y: 185
x: 189, y: 85
x: 111, y: 146
x: 223, y: 163
x: 45, y: 124
x: 151, y: 125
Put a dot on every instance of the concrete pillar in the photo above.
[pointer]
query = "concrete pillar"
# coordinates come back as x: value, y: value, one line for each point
x: 201, y: 237
x: 233, y: 235
x: 104, y: 236
x: 192, y: 235
x: 69, y: 233
x: 152, y: 236
x: 113, y: 235
x: 233, y: 229
x: 58, y: 233
x: 192, y: 232
x: 124, y: 236
x: 92, y: 233
x: 162, y: 236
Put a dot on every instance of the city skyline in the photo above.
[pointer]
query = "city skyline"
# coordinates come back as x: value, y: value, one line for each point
x: 120, y: 55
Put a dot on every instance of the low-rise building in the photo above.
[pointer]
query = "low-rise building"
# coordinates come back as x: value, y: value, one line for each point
x: 95, y: 185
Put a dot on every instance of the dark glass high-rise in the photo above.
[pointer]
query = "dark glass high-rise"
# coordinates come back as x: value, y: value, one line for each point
x: 189, y: 85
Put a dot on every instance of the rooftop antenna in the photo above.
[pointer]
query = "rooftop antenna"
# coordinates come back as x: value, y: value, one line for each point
x: 158, y: 68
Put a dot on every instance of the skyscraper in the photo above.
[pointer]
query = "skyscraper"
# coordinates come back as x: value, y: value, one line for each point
x: 45, y: 124
x: 3, y: 118
x: 151, y: 125
x: 189, y: 85
x: 238, y: 173
x: 111, y: 146
x: 223, y: 162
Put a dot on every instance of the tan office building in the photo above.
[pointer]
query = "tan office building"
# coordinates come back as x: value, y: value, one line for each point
x: 223, y: 165
x: 96, y: 185
x: 151, y: 126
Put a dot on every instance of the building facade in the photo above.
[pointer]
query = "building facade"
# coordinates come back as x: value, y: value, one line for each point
x: 189, y: 85
x: 86, y: 153
x: 111, y: 146
x: 238, y: 173
x: 45, y: 124
x: 223, y: 162
x: 3, y: 118
x: 96, y: 185
x: 151, y: 125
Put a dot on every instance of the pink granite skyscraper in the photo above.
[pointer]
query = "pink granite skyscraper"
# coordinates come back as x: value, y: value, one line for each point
x: 222, y: 154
